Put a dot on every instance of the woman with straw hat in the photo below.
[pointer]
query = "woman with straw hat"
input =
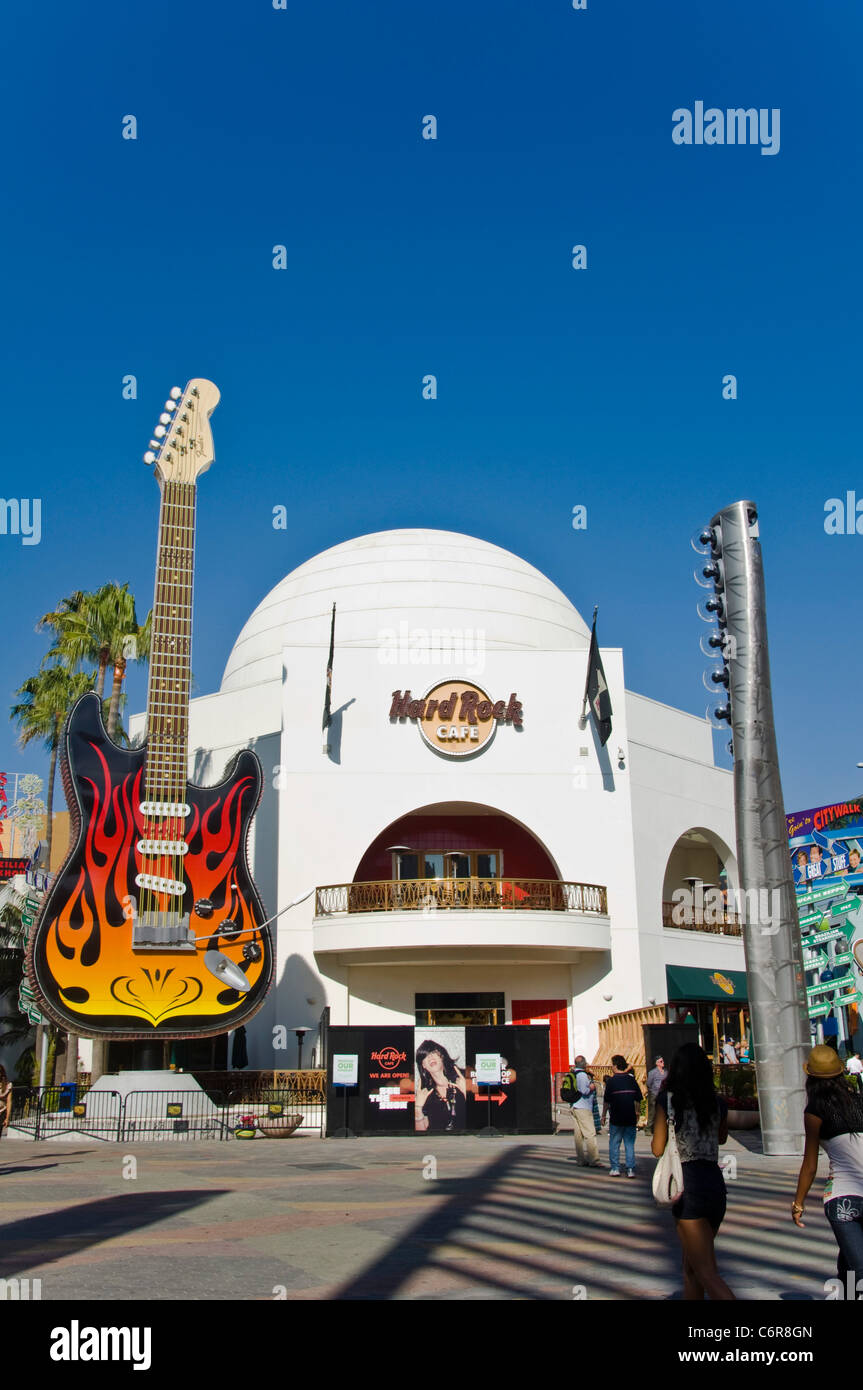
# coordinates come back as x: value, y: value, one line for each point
x: 833, y: 1119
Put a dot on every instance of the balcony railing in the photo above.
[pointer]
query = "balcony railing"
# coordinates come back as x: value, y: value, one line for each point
x: 696, y: 919
x: 431, y: 894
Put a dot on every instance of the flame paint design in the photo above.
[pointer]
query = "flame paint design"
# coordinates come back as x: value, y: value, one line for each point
x: 82, y: 963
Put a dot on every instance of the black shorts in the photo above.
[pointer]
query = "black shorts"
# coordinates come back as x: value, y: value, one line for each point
x: 703, y: 1196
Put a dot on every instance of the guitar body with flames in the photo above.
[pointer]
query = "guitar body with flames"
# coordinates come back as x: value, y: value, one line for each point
x: 82, y: 958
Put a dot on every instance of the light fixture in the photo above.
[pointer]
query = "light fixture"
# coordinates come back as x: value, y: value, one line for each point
x: 398, y: 851
x: 300, y: 1033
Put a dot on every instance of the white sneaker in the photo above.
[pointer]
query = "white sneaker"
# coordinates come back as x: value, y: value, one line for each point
x: 614, y: 1172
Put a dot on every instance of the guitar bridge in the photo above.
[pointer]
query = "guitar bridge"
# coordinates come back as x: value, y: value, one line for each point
x: 162, y: 931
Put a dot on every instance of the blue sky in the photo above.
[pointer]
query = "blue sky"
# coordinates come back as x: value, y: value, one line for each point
x: 302, y: 127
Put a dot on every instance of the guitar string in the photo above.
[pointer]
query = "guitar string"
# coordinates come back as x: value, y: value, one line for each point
x: 145, y: 897
x: 173, y: 665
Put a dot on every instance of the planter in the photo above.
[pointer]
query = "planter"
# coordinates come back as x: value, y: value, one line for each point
x: 281, y: 1126
x: 743, y: 1119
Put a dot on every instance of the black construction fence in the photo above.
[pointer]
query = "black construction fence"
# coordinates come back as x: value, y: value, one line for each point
x: 49, y: 1112
x: 425, y: 1080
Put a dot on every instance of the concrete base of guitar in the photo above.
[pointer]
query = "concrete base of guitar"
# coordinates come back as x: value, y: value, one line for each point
x: 123, y: 1082
x: 157, y: 1104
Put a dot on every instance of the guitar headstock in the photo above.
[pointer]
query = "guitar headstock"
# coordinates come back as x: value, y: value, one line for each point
x: 182, y: 447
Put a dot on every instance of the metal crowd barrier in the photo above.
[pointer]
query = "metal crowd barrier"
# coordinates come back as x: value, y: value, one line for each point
x: 146, y: 1116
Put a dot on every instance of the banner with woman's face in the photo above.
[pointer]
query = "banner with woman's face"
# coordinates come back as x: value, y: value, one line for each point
x: 440, y: 1104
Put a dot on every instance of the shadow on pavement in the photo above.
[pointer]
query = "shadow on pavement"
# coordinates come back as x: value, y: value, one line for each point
x: 528, y: 1226
x: 37, y: 1240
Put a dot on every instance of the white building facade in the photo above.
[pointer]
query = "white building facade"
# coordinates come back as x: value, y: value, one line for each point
x: 504, y: 870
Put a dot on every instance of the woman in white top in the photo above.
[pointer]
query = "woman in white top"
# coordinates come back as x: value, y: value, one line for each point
x: 833, y: 1119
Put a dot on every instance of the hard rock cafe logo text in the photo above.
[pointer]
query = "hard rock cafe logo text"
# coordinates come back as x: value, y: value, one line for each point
x: 456, y: 717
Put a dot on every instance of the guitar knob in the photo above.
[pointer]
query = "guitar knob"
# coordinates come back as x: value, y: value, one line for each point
x: 252, y: 951
x: 204, y: 908
x: 229, y: 929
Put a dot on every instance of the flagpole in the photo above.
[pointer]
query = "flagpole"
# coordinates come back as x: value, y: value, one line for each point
x: 583, y: 720
x: 328, y: 718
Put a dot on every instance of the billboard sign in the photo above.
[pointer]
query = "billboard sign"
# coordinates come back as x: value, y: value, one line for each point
x: 826, y: 849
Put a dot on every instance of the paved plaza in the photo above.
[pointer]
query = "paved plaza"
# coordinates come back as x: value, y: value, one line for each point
x: 457, y: 1218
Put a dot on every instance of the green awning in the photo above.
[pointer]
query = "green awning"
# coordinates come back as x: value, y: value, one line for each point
x: 721, y: 986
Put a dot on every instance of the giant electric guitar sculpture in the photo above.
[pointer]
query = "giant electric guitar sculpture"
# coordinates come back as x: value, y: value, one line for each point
x: 153, y: 926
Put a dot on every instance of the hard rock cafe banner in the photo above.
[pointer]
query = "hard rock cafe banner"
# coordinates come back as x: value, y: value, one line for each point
x: 826, y: 846
x: 423, y: 1080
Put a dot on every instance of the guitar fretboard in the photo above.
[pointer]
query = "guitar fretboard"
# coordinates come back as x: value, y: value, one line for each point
x: 171, y: 647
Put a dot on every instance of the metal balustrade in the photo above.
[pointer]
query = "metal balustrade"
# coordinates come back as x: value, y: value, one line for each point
x: 722, y: 923
x: 466, y: 894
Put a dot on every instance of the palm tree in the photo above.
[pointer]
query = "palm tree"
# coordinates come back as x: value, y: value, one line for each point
x: 41, y: 714
x: 101, y: 628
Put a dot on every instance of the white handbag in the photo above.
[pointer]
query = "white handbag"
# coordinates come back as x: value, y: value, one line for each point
x: 668, y: 1174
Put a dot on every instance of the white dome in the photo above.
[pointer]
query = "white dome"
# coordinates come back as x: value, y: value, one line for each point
x: 397, y: 581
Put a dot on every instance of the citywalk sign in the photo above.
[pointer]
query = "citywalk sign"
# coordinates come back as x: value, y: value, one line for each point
x: 456, y: 717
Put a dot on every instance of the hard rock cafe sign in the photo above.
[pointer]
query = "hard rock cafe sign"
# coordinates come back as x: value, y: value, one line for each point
x: 456, y: 717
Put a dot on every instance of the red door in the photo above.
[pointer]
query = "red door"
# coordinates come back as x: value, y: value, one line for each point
x: 554, y: 1010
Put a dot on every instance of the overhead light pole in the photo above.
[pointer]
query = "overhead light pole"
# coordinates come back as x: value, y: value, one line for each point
x: 771, y: 933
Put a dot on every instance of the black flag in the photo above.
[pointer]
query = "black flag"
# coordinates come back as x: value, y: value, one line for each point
x: 328, y: 718
x: 596, y: 690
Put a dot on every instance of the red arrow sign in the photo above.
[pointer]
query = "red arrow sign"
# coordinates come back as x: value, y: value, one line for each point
x: 497, y: 1096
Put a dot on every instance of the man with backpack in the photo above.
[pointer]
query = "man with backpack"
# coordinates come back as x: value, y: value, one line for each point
x: 578, y: 1090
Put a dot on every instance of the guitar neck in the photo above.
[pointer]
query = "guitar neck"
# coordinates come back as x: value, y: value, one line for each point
x: 171, y: 646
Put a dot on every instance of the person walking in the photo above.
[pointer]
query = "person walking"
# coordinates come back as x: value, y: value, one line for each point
x: 854, y: 1067
x: 5, y: 1101
x: 582, y: 1085
x: 729, y: 1053
x: 622, y: 1096
x: 655, y: 1081
x: 700, y: 1119
x: 833, y: 1120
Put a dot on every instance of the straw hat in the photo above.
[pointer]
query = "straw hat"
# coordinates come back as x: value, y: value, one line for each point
x: 823, y: 1062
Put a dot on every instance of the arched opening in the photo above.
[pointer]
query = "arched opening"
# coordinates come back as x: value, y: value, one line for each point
x: 455, y: 840
x: 697, y: 889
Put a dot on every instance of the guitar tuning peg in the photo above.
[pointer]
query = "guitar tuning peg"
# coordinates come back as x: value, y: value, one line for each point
x: 149, y: 457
